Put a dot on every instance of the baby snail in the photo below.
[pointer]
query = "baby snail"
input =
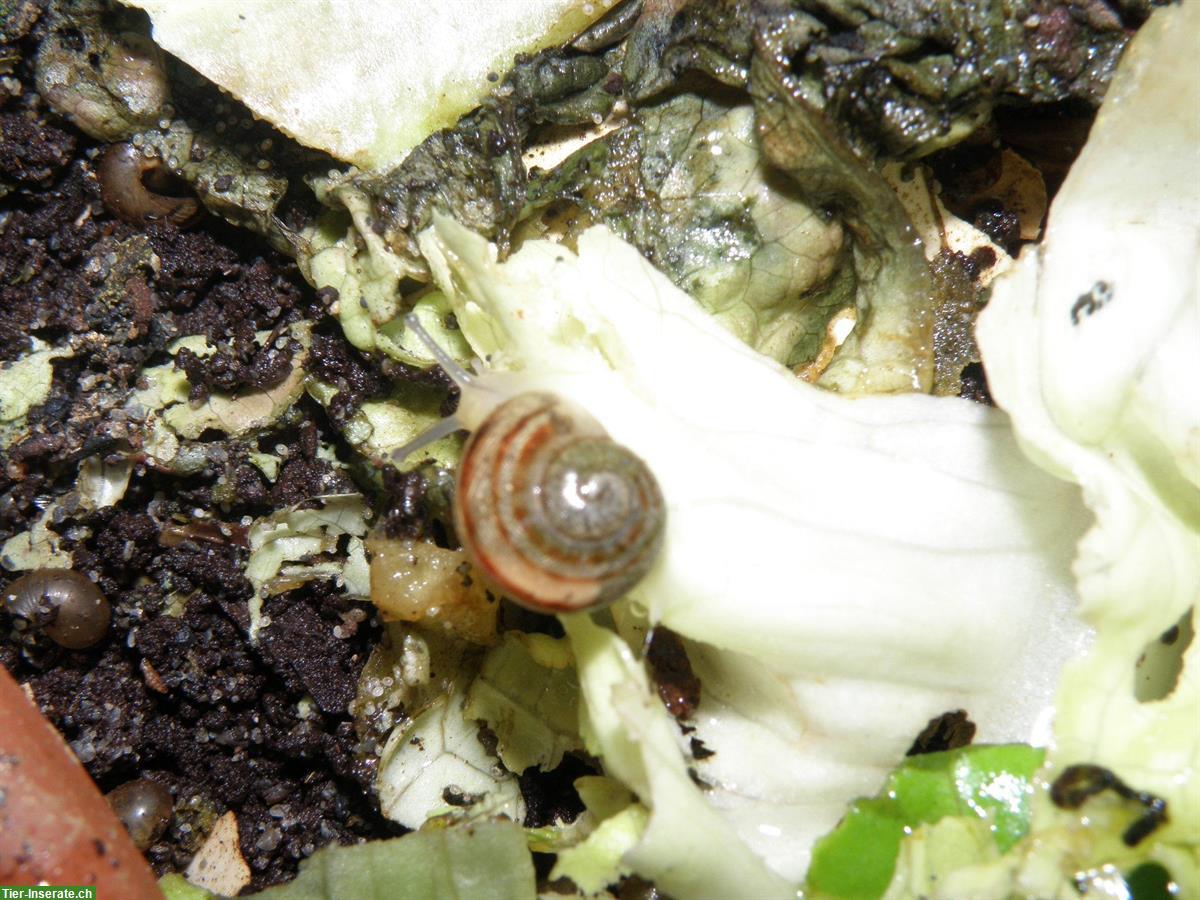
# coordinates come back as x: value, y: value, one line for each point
x: 144, y: 808
x: 63, y: 603
x: 552, y: 511
x: 136, y: 188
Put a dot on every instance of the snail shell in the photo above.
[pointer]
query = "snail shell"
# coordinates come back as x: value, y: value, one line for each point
x: 129, y: 185
x: 144, y: 808
x: 555, y: 514
x: 65, y: 604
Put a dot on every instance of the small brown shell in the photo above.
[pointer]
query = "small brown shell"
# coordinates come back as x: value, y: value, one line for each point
x: 555, y: 514
x: 65, y: 604
x: 144, y: 808
x: 129, y: 185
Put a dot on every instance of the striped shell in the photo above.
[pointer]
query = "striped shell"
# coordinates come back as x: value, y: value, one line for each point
x: 555, y: 514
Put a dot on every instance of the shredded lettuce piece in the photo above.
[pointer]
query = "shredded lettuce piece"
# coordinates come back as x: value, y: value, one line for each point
x: 1093, y: 346
x: 931, y: 852
x: 529, y: 701
x: 308, y: 538
x: 595, y: 861
x: 988, y: 783
x: 434, y: 312
x: 175, y: 887
x: 437, y: 761
x: 360, y: 267
x: 380, y: 427
x: 704, y: 206
x: 890, y: 348
x: 171, y: 421
x: 24, y: 383
x: 481, y: 860
x: 603, y: 798
x: 102, y: 483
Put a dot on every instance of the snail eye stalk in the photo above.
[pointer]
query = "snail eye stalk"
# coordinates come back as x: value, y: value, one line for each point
x: 458, y: 375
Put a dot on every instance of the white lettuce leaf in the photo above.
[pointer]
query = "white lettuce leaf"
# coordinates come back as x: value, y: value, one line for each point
x: 687, y: 848
x: 876, y: 561
x: 1093, y: 346
x: 24, y: 383
x: 300, y: 543
x: 481, y: 861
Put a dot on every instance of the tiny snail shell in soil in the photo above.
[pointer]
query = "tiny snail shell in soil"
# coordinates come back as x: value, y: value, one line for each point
x: 554, y: 513
x: 63, y: 603
x: 129, y: 181
x: 144, y: 808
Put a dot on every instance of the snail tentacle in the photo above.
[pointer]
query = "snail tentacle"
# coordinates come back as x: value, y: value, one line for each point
x: 450, y: 366
x: 458, y: 375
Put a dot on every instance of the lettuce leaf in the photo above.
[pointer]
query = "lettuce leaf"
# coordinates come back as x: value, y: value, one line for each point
x: 24, y: 383
x: 438, y: 761
x: 847, y: 568
x: 366, y: 81
x: 528, y: 695
x: 308, y: 536
x: 1093, y: 346
x: 684, y: 181
x: 687, y: 848
x: 483, y: 861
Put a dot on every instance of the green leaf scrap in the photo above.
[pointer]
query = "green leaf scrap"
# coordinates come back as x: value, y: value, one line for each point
x: 483, y: 861
x: 857, y: 859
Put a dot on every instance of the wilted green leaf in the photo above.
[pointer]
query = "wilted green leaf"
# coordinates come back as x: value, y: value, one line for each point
x: 480, y: 861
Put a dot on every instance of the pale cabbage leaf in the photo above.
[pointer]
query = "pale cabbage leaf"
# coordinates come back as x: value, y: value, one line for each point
x: 437, y: 757
x: 528, y: 695
x: 301, y: 543
x: 25, y: 382
x: 483, y: 861
x: 687, y: 848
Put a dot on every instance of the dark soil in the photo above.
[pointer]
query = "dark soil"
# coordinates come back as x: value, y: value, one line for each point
x: 176, y: 692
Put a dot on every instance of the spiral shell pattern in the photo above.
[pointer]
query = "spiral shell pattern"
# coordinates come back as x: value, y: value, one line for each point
x: 555, y: 514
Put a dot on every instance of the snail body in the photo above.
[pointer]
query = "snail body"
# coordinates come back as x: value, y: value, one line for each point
x: 556, y: 514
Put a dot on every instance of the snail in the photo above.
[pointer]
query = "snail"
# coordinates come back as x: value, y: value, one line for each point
x: 144, y: 808
x: 130, y: 186
x: 65, y: 604
x: 553, y: 512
